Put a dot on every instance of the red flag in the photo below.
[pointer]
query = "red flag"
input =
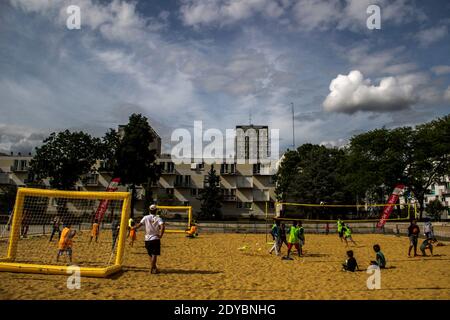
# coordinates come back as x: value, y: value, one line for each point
x: 392, y: 200
x: 103, y: 206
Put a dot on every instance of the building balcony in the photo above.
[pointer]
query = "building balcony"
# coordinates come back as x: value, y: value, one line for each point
x: 229, y: 198
x: 182, y: 185
x: 261, y: 195
x: 168, y: 171
x: 15, y: 168
x: 244, y: 182
x: 227, y: 173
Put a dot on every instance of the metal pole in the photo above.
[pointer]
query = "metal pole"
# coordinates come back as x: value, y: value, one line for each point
x: 293, y: 134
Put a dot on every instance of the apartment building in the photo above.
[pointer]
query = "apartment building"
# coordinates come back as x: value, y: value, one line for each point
x: 14, y: 169
x: 440, y: 191
x: 247, y: 187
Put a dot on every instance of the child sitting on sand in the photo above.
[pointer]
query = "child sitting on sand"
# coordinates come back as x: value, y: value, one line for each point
x: 192, y: 232
x: 427, y: 244
x: 65, y: 242
x: 350, y: 264
x: 380, y: 260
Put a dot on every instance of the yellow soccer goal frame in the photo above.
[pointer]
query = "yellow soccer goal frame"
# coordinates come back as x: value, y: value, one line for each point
x: 7, y: 263
x: 184, y: 208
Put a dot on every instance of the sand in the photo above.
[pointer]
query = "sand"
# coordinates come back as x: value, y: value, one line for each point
x: 212, y: 267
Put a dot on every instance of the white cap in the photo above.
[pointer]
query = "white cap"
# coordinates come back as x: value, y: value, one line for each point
x: 153, y: 207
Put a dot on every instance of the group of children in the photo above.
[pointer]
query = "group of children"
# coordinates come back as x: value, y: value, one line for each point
x: 295, y: 239
x: 351, y: 265
x: 345, y: 232
x: 294, y: 236
x: 66, y: 235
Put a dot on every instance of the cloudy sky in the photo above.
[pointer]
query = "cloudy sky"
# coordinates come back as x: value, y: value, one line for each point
x: 217, y: 61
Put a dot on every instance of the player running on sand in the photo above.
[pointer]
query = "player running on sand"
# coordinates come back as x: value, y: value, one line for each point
x: 154, y: 230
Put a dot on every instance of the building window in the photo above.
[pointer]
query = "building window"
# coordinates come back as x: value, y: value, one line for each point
x: 257, y: 168
x: 167, y: 167
x: 169, y: 191
x: 227, y: 168
x: 187, y: 181
x: 245, y: 205
x: 247, y: 147
x: 194, y: 192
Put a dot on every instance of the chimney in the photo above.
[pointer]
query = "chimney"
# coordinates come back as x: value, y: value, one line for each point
x: 12, y: 153
x: 19, y: 153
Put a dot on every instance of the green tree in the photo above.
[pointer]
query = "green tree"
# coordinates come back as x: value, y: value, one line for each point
x: 109, y: 145
x: 64, y: 158
x: 376, y: 162
x: 7, y: 198
x: 135, y: 161
x: 435, y: 208
x: 211, y: 197
x: 429, y: 157
x: 311, y: 174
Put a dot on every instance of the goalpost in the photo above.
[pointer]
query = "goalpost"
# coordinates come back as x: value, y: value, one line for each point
x: 33, y: 242
x: 181, y: 213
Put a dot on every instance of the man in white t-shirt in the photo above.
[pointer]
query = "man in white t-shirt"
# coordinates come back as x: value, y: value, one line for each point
x: 154, y: 230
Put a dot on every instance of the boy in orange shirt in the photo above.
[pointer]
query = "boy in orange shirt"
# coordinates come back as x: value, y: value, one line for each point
x: 65, y: 242
x: 133, y: 233
x: 192, y: 232
x: 95, y: 231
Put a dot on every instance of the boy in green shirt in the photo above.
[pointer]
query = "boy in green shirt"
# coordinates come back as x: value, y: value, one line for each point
x: 293, y: 240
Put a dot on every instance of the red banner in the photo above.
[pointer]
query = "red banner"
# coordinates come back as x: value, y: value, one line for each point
x: 103, y: 206
x: 392, y: 200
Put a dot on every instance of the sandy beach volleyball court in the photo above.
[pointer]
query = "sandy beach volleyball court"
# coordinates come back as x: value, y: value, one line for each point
x: 213, y: 267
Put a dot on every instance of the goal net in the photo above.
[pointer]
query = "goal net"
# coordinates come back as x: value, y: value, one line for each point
x: 177, y: 218
x: 50, y: 230
x: 331, y: 212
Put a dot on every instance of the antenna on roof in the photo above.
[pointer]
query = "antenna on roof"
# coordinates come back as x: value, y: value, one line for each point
x: 293, y: 121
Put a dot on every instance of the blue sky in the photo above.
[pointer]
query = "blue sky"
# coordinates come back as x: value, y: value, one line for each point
x: 219, y: 60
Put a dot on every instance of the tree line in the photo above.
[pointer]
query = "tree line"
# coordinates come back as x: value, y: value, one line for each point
x: 369, y: 167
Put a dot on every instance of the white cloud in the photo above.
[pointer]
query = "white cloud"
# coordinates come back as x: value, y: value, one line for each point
x: 447, y: 94
x: 351, y: 93
x: 431, y: 35
x: 219, y: 12
x: 317, y: 14
x: 307, y: 14
x: 14, y: 138
x: 351, y: 14
x: 441, y: 70
x: 339, y: 143
x: 117, y: 20
x: 368, y: 60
